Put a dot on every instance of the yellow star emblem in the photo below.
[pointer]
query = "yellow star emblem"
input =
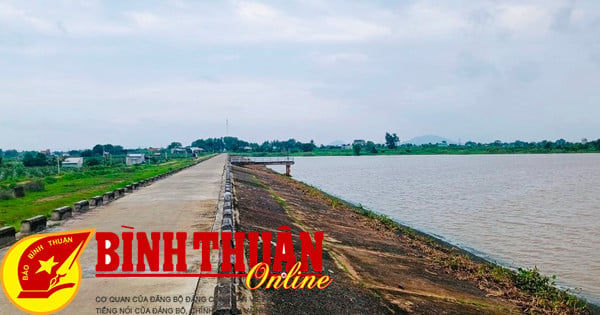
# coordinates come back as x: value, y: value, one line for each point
x: 47, y: 265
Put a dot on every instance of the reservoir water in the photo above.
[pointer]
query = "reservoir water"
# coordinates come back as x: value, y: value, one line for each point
x: 518, y: 210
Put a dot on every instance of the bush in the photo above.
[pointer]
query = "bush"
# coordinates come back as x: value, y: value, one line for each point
x: 93, y: 161
x: 6, y: 194
x: 36, y: 185
x: 35, y: 159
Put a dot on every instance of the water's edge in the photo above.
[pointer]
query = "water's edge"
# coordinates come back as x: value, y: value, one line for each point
x: 477, y: 257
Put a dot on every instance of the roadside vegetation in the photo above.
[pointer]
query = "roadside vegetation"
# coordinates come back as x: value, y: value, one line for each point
x: 31, y: 183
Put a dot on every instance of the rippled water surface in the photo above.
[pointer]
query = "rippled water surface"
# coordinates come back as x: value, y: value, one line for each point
x: 520, y: 210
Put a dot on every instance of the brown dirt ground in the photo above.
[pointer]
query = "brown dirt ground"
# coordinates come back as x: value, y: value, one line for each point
x: 375, y: 270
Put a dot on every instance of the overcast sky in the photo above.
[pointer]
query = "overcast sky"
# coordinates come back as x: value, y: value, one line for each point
x: 145, y: 73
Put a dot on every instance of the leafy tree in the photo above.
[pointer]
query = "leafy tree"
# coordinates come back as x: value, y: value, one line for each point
x: 108, y: 148
x: 307, y: 147
x: 35, y: 159
x: 356, y: 148
x: 11, y: 154
x: 1, y: 153
x: 370, y: 147
x: 1, y: 158
x: 265, y: 147
x: 391, y: 140
x: 93, y: 161
x: 560, y: 143
x: 98, y: 149
x: 209, y: 145
x: 118, y: 150
x: 87, y: 153
x: 174, y: 145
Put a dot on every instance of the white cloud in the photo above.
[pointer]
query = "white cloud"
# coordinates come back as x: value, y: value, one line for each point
x: 256, y: 11
x: 288, y: 64
x: 202, y: 23
x: 523, y: 19
x: 14, y: 17
x: 145, y: 20
x: 341, y: 58
x: 170, y: 100
x: 424, y: 21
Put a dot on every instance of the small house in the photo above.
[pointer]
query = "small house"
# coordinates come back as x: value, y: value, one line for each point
x: 73, y: 162
x: 179, y: 151
x: 359, y: 142
x: 135, y: 158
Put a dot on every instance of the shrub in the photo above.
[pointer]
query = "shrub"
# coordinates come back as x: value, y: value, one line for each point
x: 533, y: 282
x: 93, y: 161
x: 35, y: 159
x: 6, y: 194
x: 35, y: 185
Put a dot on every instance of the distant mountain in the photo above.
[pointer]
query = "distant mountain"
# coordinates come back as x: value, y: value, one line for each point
x: 426, y: 139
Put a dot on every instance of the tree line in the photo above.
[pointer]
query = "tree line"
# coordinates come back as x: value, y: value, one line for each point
x: 233, y: 144
x: 390, y: 145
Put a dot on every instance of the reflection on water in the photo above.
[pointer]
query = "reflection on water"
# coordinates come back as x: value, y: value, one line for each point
x: 520, y: 210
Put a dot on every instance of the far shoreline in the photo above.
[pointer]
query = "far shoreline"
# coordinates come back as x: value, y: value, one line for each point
x: 350, y: 153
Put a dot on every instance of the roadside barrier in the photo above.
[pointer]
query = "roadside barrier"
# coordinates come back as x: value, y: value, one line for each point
x: 81, y: 206
x: 8, y: 234
x: 61, y: 213
x: 97, y: 201
x: 108, y: 197
x: 34, y: 224
x: 226, y: 288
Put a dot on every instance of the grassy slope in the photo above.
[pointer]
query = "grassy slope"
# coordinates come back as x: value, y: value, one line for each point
x: 70, y: 188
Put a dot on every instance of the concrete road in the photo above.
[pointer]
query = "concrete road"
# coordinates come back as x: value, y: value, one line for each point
x: 184, y: 202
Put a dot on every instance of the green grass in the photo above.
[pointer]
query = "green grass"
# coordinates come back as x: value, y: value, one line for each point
x: 74, y: 186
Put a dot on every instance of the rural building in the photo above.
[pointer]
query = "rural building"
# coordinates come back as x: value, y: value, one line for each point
x: 135, y: 158
x: 179, y: 151
x: 361, y: 143
x: 73, y: 162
